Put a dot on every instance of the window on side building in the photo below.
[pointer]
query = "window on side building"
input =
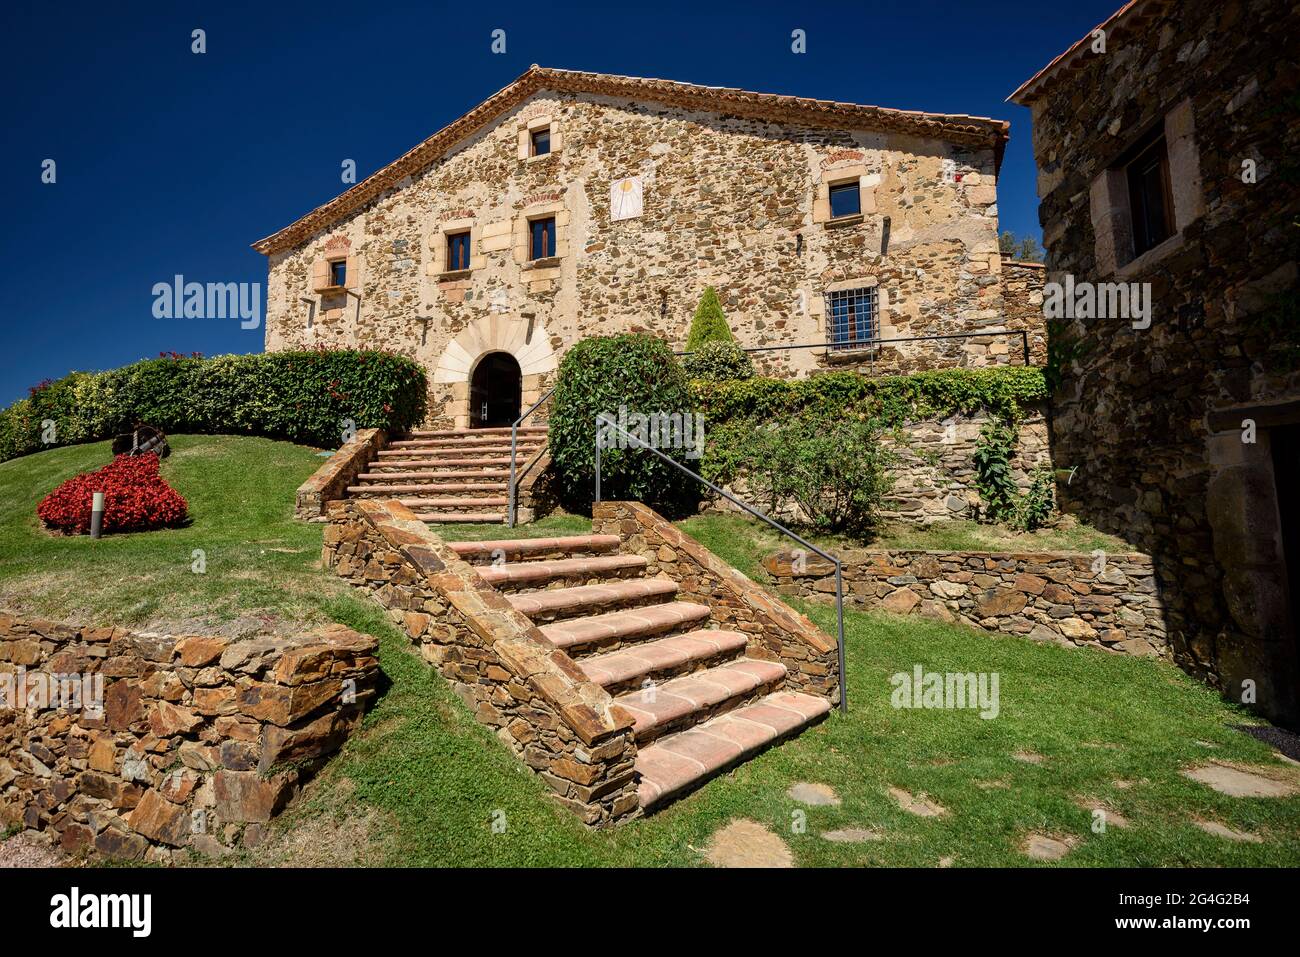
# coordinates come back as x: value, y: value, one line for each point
x: 541, y: 238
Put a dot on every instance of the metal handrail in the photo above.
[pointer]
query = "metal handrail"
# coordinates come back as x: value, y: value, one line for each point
x: 514, y: 439
x: 866, y: 343
x: 839, y: 570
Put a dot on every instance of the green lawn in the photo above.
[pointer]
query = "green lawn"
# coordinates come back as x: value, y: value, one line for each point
x: 423, y: 783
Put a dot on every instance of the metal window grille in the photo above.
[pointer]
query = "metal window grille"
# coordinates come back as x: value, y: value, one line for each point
x: 851, y: 318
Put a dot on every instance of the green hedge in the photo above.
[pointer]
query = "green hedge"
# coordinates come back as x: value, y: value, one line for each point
x: 301, y: 396
x: 597, y: 376
x: 891, y: 400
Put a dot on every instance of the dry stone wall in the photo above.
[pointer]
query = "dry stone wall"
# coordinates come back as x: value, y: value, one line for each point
x: 1108, y: 601
x: 559, y: 723
x: 145, y: 746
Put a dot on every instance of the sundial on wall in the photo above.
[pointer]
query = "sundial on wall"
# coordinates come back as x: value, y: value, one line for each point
x: 625, y: 198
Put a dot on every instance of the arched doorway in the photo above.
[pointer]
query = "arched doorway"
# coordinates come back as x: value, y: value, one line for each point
x: 495, y: 389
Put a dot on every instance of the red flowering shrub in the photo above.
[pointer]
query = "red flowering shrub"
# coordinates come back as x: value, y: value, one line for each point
x: 136, y: 498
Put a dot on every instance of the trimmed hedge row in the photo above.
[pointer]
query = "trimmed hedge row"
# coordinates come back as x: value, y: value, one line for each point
x: 300, y: 396
x: 892, y: 400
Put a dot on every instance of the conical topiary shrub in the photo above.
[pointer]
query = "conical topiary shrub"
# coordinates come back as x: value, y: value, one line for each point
x: 709, y: 324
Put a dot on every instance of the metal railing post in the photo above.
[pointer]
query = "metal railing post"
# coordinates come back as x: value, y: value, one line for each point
x: 514, y: 477
x: 839, y: 575
x: 1024, y: 343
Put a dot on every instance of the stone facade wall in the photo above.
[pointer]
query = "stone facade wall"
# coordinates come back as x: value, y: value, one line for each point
x: 1022, y: 303
x: 173, y: 743
x: 1046, y: 596
x: 934, y: 473
x: 728, y: 201
x: 1152, y: 419
x: 331, y: 480
x: 775, y: 631
x: 563, y: 726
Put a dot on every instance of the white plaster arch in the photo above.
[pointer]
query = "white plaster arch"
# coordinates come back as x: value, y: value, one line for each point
x: 496, y: 333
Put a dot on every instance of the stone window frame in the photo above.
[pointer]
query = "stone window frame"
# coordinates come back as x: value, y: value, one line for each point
x: 450, y: 227
x: 522, y: 239
x: 817, y: 310
x: 867, y: 182
x: 526, y: 129
x: 323, y: 270
x: 1109, y: 198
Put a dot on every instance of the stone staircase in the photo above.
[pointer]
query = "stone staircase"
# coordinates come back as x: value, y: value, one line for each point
x: 455, y: 475
x: 700, y: 705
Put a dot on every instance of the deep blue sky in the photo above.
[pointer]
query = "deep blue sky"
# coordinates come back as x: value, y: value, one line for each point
x: 171, y: 162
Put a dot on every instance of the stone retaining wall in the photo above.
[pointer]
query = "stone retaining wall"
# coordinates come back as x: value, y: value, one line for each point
x: 775, y: 631
x: 562, y: 725
x: 1049, y: 596
x: 331, y: 480
x: 168, y: 743
x: 934, y: 474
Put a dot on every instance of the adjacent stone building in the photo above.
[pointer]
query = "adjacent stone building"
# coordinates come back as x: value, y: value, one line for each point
x: 1167, y: 144
x: 573, y: 204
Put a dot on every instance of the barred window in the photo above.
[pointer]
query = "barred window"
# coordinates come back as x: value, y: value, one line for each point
x: 851, y: 318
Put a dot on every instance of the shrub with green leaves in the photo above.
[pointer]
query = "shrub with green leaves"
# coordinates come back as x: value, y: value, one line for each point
x: 996, y: 484
x: 596, y: 377
x: 835, y: 470
x: 709, y: 324
x: 305, y: 397
x: 718, y: 362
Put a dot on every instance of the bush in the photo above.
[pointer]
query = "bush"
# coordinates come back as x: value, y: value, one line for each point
x: 892, y: 400
x: 718, y: 362
x: 136, y: 498
x: 598, y: 376
x: 708, y: 324
x: 834, y: 469
x: 301, y: 396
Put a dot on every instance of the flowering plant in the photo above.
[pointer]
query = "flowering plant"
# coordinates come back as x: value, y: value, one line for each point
x: 136, y: 498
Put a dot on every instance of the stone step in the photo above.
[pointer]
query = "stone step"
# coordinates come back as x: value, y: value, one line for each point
x: 502, y: 465
x: 441, y: 456
x: 664, y: 657
x: 556, y: 604
x: 694, y: 698
x: 607, y: 631
x: 532, y: 430
x: 419, y: 505
x: 681, y: 762
x: 455, y: 518
x: 446, y: 445
x: 526, y: 549
x: 393, y: 489
x: 417, y: 476
x: 517, y: 576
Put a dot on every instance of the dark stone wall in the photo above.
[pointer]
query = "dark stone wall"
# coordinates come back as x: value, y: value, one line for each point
x: 1133, y: 410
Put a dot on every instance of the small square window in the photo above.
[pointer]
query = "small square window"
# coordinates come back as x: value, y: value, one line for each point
x: 457, y: 251
x: 338, y: 273
x: 542, y: 238
x: 845, y: 200
x: 541, y: 141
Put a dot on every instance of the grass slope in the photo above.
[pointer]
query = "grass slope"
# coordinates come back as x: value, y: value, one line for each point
x: 424, y: 784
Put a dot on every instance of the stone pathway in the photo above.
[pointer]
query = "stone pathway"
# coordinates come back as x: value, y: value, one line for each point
x: 1044, y: 847
x: 813, y: 795
x: 851, y: 835
x: 745, y: 843
x: 1029, y: 757
x: 1243, y: 781
x: 1222, y: 830
x: 920, y: 806
x: 1112, y: 817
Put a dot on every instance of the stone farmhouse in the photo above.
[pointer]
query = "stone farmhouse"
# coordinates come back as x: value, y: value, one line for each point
x: 1168, y: 157
x: 573, y: 204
